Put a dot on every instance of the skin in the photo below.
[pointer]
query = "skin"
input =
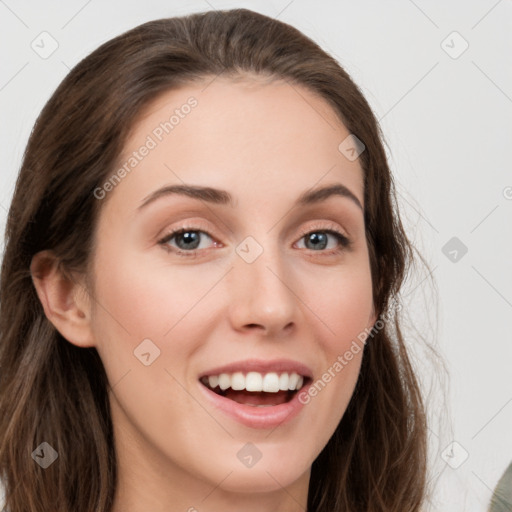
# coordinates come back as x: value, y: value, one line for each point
x: 265, y: 143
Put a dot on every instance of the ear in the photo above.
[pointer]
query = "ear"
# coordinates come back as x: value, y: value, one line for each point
x: 65, y: 300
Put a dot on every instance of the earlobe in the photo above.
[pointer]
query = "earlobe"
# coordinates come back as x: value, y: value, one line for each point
x: 65, y: 300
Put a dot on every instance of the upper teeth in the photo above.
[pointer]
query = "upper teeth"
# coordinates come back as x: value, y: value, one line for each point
x: 254, y: 381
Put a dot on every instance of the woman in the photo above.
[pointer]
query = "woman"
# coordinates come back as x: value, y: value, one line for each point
x: 198, y: 293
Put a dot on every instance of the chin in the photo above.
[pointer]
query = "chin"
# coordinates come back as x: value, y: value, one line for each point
x: 276, y: 468
x: 260, y: 480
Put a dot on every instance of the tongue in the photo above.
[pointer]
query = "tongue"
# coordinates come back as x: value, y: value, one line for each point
x: 257, y: 398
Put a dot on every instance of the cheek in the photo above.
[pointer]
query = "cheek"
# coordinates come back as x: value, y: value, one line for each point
x: 147, y: 300
x: 344, y: 307
x: 136, y: 302
x: 344, y: 304
x: 147, y: 309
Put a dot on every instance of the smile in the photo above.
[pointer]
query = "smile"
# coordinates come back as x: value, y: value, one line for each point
x: 254, y: 388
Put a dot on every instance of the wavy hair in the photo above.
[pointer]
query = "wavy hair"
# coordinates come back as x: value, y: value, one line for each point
x: 376, y: 459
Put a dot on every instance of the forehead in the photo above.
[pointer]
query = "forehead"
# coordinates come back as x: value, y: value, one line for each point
x: 251, y: 136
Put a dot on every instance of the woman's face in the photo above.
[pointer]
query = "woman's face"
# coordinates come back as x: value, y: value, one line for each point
x: 258, y: 286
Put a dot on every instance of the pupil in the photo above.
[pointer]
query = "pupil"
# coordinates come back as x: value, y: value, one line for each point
x: 318, y: 239
x: 189, y: 237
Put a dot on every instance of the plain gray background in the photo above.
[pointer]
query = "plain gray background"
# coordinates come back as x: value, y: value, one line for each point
x: 439, y: 78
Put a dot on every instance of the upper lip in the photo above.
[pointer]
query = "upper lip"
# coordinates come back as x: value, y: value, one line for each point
x: 261, y: 366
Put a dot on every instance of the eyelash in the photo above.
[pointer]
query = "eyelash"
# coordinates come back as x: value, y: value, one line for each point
x: 343, y: 241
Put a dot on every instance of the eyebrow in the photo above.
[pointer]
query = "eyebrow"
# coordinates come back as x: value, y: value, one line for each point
x: 223, y: 197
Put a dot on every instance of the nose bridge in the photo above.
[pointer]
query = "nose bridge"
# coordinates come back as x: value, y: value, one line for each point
x: 261, y: 291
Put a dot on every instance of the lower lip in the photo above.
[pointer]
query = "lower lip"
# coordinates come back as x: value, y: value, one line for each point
x: 256, y: 417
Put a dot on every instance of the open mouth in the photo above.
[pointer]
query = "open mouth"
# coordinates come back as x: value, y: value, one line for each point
x: 256, y: 389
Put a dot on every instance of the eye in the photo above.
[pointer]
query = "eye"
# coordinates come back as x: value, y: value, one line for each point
x: 188, y: 241
x: 318, y: 240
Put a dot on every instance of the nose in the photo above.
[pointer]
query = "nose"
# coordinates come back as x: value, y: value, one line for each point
x: 262, y: 295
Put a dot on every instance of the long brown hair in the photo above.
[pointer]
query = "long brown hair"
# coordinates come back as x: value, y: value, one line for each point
x: 53, y: 391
